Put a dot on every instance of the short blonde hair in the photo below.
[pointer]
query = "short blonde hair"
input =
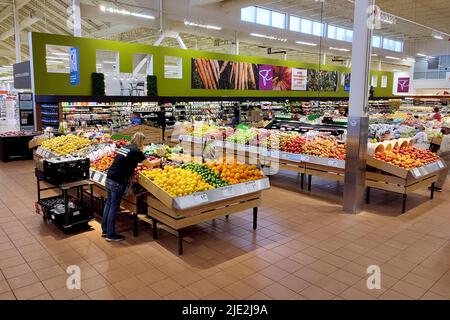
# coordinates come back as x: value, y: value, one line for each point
x: 138, y: 139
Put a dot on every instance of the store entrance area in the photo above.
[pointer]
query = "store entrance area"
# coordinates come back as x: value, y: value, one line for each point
x: 305, y: 248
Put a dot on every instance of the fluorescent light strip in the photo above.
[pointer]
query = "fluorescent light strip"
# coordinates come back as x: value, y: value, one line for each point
x: 340, y: 49
x: 392, y: 58
x: 438, y: 37
x: 126, y: 12
x: 206, y: 26
x: 267, y: 37
x: 421, y: 55
x: 306, y: 43
x: 59, y: 54
x: 374, y: 55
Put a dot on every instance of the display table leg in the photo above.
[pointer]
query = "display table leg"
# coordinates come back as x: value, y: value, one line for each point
x: 309, y: 182
x: 155, y: 229
x: 135, y: 224
x: 432, y: 191
x: 227, y: 216
x: 368, y: 195
x: 302, y: 180
x: 38, y: 189
x: 404, y: 203
x: 255, y: 218
x: 180, y: 243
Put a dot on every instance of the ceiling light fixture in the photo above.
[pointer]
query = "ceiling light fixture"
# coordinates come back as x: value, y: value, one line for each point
x: 206, y: 26
x: 437, y: 35
x: 421, y: 55
x: 392, y: 58
x: 267, y: 37
x: 340, y: 49
x: 125, y: 12
x: 59, y: 54
x: 374, y: 55
x: 306, y: 43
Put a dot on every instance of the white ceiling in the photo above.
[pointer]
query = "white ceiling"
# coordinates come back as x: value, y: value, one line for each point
x: 53, y: 16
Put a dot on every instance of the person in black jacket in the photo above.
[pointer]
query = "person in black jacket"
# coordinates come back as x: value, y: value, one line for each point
x: 236, y: 115
x: 118, y: 179
x: 162, y: 122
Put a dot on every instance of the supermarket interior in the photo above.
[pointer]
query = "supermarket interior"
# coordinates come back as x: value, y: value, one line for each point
x: 224, y: 150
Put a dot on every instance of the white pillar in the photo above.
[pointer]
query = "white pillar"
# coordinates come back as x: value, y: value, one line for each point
x: 76, y: 18
x: 236, y: 44
x: 358, y: 121
x: 17, y: 32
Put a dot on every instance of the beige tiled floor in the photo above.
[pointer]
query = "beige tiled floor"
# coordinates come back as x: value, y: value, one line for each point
x: 305, y: 248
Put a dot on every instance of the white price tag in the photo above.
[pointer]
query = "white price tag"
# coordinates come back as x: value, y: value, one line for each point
x: 304, y: 158
x: 97, y: 177
x: 275, y: 153
x: 332, y: 163
x: 228, y: 192
x: 440, y: 164
x: 251, y: 186
x: 294, y: 157
x: 200, y: 198
x: 416, y: 172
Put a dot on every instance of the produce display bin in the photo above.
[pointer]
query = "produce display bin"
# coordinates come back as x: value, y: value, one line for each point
x: 15, y: 148
x: 388, y: 177
x: 177, y: 220
x: 201, y: 198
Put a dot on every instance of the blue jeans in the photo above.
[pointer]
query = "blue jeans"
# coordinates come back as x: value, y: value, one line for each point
x: 114, y: 193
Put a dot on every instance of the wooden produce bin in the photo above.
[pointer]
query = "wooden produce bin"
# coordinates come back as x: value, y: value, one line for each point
x: 135, y: 203
x: 388, y: 177
x: 182, y: 212
x: 152, y: 134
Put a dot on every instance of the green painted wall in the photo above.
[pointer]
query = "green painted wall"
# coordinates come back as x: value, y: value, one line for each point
x: 59, y: 84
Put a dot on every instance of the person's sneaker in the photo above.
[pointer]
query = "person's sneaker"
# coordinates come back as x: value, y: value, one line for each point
x: 116, y: 237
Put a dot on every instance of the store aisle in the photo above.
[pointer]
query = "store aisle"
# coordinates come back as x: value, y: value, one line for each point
x: 304, y: 248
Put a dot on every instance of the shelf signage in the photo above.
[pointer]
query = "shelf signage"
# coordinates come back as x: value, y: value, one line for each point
x: 74, y: 66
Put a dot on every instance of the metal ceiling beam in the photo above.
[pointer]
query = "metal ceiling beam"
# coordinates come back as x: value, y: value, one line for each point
x: 23, y: 24
x: 7, y: 11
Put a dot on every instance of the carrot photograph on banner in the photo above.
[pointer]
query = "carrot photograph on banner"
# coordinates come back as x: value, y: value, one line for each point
x: 224, y: 75
x: 299, y: 79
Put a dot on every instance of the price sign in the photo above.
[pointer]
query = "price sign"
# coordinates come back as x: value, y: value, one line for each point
x: 275, y: 153
x: 304, y: 158
x: 416, y: 172
x: 97, y: 177
x: 294, y: 157
x: 265, y: 152
x: 251, y: 186
x: 199, y: 198
x: 440, y: 165
x: 228, y: 192
x: 332, y: 163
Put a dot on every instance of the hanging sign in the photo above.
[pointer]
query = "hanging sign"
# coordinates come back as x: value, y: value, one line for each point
x: 74, y: 67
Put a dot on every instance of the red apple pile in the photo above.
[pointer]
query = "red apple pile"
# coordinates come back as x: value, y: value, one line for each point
x: 294, y: 145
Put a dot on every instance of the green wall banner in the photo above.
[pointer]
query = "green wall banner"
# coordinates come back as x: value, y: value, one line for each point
x: 203, y: 74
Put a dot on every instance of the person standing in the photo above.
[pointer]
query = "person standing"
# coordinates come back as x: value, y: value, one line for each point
x: 437, y: 115
x: 444, y: 154
x: 162, y: 122
x: 420, y: 139
x: 118, y: 179
x: 236, y: 115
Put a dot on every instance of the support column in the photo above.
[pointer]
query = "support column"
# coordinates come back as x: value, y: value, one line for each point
x: 76, y: 18
x: 236, y: 44
x: 17, y: 32
x: 358, y: 120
